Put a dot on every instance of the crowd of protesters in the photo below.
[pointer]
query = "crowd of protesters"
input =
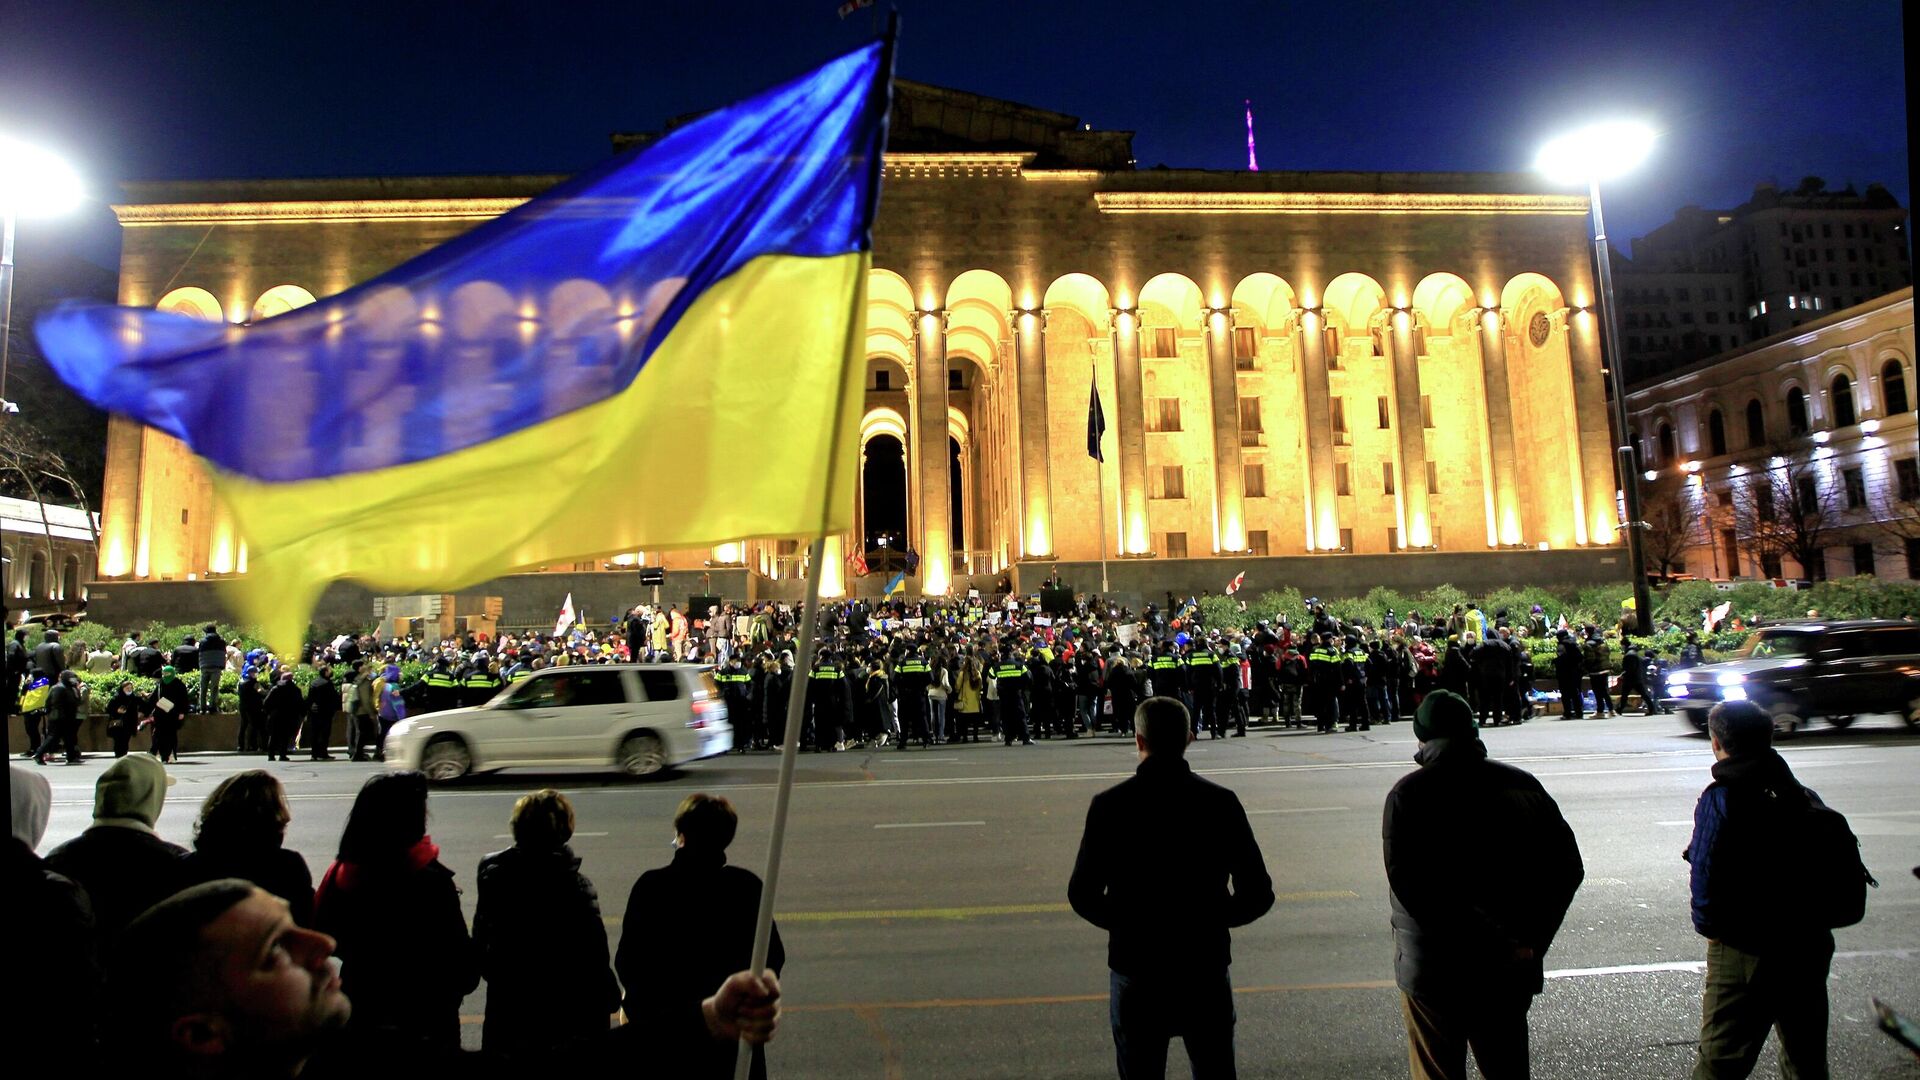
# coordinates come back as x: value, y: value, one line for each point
x: 228, y: 960
x: 885, y: 673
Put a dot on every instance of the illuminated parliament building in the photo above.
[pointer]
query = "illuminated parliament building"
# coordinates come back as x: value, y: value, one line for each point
x: 1326, y: 379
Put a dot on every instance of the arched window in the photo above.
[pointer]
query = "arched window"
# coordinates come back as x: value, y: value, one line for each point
x: 1716, y: 433
x: 1666, y: 443
x: 1756, y: 424
x: 1842, y: 394
x: 1796, y: 411
x: 1893, y: 388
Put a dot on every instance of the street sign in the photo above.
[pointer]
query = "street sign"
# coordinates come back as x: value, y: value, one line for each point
x: 653, y: 575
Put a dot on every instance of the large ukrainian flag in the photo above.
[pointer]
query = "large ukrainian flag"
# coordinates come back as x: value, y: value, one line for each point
x: 665, y: 352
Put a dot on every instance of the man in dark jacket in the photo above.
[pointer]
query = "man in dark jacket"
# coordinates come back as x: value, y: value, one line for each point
x: 1766, y: 967
x: 664, y: 973
x: 323, y: 703
x: 1568, y: 666
x: 63, y: 720
x: 1154, y: 868
x: 171, y: 700
x: 210, y: 661
x: 284, y: 707
x: 1492, y: 663
x: 186, y: 655
x: 50, y: 656
x: 1473, y: 911
x: 253, y: 713
x: 124, y: 866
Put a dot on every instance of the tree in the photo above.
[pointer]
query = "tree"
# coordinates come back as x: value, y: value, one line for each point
x: 23, y: 457
x: 1674, y: 524
x: 1784, y: 511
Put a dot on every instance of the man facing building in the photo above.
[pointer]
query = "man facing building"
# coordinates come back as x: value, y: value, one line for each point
x: 1482, y: 868
x: 1157, y: 858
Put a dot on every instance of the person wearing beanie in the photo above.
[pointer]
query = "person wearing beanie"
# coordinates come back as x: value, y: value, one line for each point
x: 1481, y: 869
x: 121, y: 862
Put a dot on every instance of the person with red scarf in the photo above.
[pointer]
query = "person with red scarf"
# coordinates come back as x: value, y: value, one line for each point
x: 406, y: 958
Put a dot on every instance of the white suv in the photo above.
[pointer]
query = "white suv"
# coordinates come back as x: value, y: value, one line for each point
x: 639, y: 718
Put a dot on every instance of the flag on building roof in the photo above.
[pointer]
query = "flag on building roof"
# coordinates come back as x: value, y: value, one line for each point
x: 1239, y: 579
x: 1096, y: 424
x: 478, y: 409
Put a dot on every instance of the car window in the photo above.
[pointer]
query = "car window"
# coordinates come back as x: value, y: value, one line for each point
x: 535, y: 693
x: 1763, y: 645
x: 660, y: 685
x: 1855, y: 644
x: 564, y: 689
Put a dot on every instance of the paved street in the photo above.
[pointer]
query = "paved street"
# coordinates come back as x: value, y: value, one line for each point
x: 923, y: 901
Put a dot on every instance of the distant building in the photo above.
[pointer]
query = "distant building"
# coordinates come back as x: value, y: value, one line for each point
x: 1366, y: 377
x: 31, y: 579
x: 1713, y: 280
x: 1810, y: 430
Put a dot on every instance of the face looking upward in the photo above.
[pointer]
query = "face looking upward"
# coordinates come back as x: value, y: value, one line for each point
x: 275, y: 989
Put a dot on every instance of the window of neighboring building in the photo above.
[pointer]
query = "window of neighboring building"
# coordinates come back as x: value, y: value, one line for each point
x: 1863, y: 559
x: 1913, y: 556
x: 883, y: 380
x: 1893, y: 388
x: 1386, y: 413
x: 1796, y: 411
x: 1906, y: 479
x: 1433, y: 488
x: 1257, y: 542
x: 1250, y: 414
x: 1246, y: 345
x: 1173, y: 482
x: 183, y: 517
x: 1716, y: 433
x: 1165, y: 414
x: 1342, y: 479
x: 1807, y: 494
x: 1393, y: 539
x: 1332, y: 339
x: 1730, y: 545
x: 1724, y: 499
x: 1386, y: 478
x: 1426, y: 410
x: 1176, y: 545
x: 1163, y: 341
x: 1856, y: 487
x: 1841, y: 391
x: 1346, y: 539
x: 1770, y: 564
x: 1756, y: 424
x: 1763, y: 499
x: 1253, y: 479
x: 1337, y: 410
x: 1665, y: 439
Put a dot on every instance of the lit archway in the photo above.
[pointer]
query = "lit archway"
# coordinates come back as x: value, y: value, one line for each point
x: 279, y: 300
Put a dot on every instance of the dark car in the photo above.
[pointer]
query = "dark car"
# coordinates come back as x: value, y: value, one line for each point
x: 1804, y: 671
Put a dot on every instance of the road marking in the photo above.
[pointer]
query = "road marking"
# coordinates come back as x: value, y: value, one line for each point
x: 927, y: 824
x: 1681, y: 768
x: 505, y: 836
x: 1302, y: 810
x: 987, y: 910
x: 911, y: 760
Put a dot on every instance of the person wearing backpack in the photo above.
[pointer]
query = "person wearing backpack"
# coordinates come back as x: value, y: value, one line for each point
x: 1774, y: 871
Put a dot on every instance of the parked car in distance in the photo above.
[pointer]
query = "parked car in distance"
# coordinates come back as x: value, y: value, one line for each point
x: 638, y: 718
x: 1805, y: 671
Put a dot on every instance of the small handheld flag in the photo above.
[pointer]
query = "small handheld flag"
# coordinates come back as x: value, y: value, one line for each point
x: 1239, y: 579
x: 1096, y: 424
x: 566, y: 617
x: 1718, y: 615
x: 704, y: 292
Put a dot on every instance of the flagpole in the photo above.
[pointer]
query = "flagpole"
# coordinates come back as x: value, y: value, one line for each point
x: 1100, y: 482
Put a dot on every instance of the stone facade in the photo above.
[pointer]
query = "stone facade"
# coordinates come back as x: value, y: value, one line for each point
x: 1290, y: 363
x: 1820, y: 417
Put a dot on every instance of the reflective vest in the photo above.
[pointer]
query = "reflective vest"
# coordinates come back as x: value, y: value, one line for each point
x: 732, y: 677
x: 519, y: 673
x: 912, y: 667
x: 828, y: 672
x: 439, y: 680
x: 1322, y: 656
x: 1009, y: 670
x: 1165, y: 662
x: 481, y: 680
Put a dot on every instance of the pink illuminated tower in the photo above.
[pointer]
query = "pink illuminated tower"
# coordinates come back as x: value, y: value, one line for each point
x: 1253, y: 163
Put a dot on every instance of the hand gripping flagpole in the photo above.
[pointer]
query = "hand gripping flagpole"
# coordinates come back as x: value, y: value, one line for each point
x: 809, y: 622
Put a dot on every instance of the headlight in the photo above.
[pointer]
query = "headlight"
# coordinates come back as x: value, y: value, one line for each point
x: 1733, y: 693
x: 399, y: 730
x: 1678, y: 690
x: 1730, y: 679
x: 1676, y: 681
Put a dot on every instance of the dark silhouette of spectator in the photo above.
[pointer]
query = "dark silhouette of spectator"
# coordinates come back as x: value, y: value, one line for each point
x: 537, y: 929
x: 122, y: 863
x: 664, y: 972
x: 241, y: 829
x: 284, y: 706
x: 394, y: 910
x: 54, y: 1017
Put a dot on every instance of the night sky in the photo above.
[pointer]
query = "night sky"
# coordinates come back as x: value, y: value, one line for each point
x: 215, y: 88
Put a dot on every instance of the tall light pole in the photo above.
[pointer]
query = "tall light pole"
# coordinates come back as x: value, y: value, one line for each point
x: 32, y: 182
x: 1591, y: 154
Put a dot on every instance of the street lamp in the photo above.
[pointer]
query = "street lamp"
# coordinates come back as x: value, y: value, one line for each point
x: 1591, y: 154
x: 32, y: 182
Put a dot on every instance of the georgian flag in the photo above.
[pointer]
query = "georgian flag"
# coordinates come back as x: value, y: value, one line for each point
x: 1239, y: 579
x: 1718, y: 615
x: 566, y: 617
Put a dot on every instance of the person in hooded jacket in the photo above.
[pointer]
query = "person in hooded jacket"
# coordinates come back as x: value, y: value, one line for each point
x: 123, y: 717
x: 323, y: 704
x: 394, y: 911
x: 241, y: 833
x: 122, y: 863
x: 1481, y: 869
x: 168, y: 710
x: 253, y: 713
x: 663, y: 972
x: 1568, y: 667
x: 63, y: 720
x: 537, y: 932
x: 56, y: 1018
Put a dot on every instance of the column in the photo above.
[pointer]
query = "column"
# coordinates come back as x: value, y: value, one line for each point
x: 1030, y: 365
x: 1130, y: 414
x: 1595, y: 435
x: 1504, y: 528
x: 1323, y: 506
x: 1410, y: 457
x: 931, y: 455
x: 1229, y: 483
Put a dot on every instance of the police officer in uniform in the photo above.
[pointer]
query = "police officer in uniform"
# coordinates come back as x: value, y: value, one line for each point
x: 1203, y: 681
x: 480, y: 683
x: 1168, y: 674
x: 443, y: 691
x: 911, y: 677
x: 1324, y: 678
x: 1353, y: 687
x: 1011, y: 676
x: 736, y: 689
x: 826, y: 704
